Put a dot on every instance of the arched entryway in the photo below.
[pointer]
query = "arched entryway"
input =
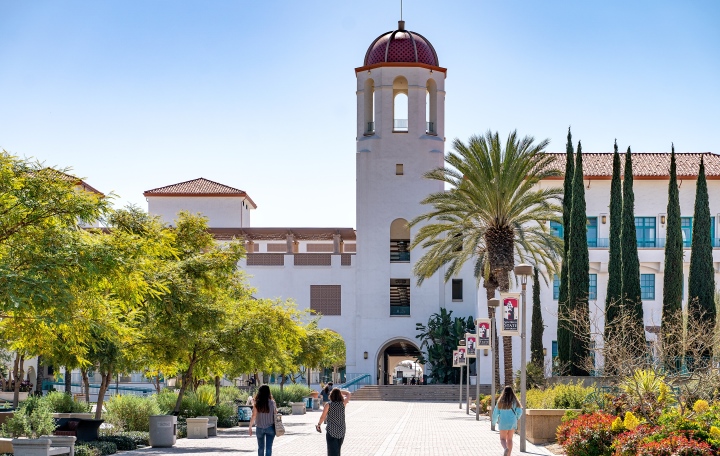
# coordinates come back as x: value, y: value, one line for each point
x: 395, y: 353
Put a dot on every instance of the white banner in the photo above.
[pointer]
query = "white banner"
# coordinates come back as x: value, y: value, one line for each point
x: 471, y: 344
x: 510, y: 310
x: 457, y: 360
x: 484, y: 329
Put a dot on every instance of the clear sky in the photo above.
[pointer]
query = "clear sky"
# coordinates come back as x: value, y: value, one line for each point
x: 260, y: 95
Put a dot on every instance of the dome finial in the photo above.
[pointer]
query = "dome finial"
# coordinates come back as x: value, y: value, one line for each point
x: 401, y: 25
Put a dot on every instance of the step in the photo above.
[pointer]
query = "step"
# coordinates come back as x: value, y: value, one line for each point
x: 426, y: 393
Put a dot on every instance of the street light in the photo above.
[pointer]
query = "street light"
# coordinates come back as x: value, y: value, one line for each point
x: 522, y: 271
x: 492, y: 303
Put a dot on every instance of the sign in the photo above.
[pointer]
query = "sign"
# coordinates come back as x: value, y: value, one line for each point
x: 462, y: 356
x: 484, y: 334
x: 456, y: 359
x: 510, y: 310
x: 471, y: 345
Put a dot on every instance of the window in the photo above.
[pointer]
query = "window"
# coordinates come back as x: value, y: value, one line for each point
x: 325, y: 299
x: 556, y: 287
x: 399, y: 297
x: 557, y: 229
x: 399, y: 169
x: 457, y: 289
x: 645, y: 231
x: 431, y: 107
x: 647, y: 286
x: 713, y: 241
x: 592, y: 289
x: 554, y: 359
x: 592, y: 231
x: 369, y: 93
x: 399, y: 241
x: 400, y: 105
x: 686, y: 224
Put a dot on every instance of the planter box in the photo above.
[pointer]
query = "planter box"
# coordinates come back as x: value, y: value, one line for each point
x: 298, y: 408
x: 8, y: 395
x: 541, y: 424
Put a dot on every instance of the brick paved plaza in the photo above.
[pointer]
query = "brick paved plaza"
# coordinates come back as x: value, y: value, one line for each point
x: 374, y: 428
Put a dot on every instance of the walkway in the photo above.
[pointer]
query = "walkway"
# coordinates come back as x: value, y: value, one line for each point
x: 374, y: 429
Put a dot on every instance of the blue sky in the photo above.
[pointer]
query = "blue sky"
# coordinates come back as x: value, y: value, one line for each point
x: 135, y: 95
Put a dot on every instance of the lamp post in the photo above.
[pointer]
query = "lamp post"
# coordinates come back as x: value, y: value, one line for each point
x: 522, y: 271
x: 477, y: 371
x: 492, y: 303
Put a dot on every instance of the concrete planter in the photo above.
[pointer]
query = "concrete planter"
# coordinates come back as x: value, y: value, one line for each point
x: 8, y: 395
x: 298, y: 408
x: 541, y: 424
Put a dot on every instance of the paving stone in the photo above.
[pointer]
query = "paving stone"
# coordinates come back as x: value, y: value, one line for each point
x: 374, y: 428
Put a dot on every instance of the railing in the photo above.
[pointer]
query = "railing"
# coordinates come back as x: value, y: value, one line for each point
x: 370, y: 127
x: 400, y: 125
x: 355, y: 381
x: 656, y: 243
x: 399, y: 310
x: 399, y: 257
x: 430, y: 127
x: 95, y: 389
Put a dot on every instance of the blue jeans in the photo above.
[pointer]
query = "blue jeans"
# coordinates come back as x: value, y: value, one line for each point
x: 265, y: 437
x: 333, y: 445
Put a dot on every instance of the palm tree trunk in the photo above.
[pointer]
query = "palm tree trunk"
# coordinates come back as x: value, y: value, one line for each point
x: 490, y: 293
x: 508, y: 360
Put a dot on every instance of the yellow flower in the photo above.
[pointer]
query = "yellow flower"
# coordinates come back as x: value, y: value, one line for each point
x: 617, y: 425
x: 714, y: 432
x: 701, y: 406
x: 631, y: 421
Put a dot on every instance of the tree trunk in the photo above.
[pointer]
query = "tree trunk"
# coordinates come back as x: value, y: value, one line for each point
x: 18, y: 372
x: 104, y: 385
x: 68, y: 380
x: 157, y: 383
x: 186, y: 379
x: 508, y: 360
x: 86, y: 384
x: 282, y: 381
x: 490, y: 293
x: 217, y: 390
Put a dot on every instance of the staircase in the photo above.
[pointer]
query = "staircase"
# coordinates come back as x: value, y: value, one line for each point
x: 415, y: 393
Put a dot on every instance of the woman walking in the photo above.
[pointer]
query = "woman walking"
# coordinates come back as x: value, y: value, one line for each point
x: 263, y: 417
x: 334, y: 412
x: 506, y: 414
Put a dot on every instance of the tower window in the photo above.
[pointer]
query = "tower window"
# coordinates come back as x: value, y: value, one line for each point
x: 399, y: 169
x: 399, y: 241
x: 400, y: 105
x: 457, y: 289
x: 399, y: 297
x: 431, y: 108
x: 369, y: 107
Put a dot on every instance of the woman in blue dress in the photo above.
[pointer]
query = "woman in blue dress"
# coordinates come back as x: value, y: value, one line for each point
x: 506, y: 413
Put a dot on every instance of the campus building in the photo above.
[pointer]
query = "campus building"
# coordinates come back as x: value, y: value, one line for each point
x: 361, y: 279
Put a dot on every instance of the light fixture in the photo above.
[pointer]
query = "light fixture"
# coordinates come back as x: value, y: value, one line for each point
x: 493, y: 303
x: 604, y: 219
x: 544, y: 351
x: 662, y: 219
x: 485, y: 352
x: 365, y: 355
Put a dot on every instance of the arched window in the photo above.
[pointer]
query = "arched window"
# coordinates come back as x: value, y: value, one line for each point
x: 399, y: 241
x: 400, y: 104
x: 431, y: 108
x: 369, y: 92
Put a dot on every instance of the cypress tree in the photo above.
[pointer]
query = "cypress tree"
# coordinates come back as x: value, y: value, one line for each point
x: 537, y: 328
x: 673, y: 275
x: 632, y: 303
x: 564, y: 330
x: 701, y: 283
x: 578, y: 272
x: 614, y: 286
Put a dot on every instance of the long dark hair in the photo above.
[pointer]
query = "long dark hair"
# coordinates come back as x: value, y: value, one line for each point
x: 336, y: 395
x: 262, y: 399
x: 507, y: 399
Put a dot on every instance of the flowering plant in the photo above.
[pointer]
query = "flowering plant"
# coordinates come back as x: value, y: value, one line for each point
x: 587, y: 435
x: 627, y: 443
x: 675, y: 445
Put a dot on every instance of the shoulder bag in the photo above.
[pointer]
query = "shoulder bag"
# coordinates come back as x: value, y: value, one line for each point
x: 279, y: 426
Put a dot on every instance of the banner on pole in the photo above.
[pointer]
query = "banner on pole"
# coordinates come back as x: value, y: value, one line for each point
x: 471, y: 344
x: 459, y: 361
x: 484, y: 330
x: 510, y: 309
x: 462, y: 356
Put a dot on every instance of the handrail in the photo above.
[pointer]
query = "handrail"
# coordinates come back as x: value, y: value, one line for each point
x: 354, y: 382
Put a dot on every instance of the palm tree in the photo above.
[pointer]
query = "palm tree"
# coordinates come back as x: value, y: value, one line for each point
x: 493, y: 214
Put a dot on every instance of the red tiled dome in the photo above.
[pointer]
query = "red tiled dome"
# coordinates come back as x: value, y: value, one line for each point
x: 401, y: 46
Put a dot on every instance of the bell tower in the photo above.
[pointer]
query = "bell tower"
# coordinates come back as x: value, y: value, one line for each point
x: 400, y: 137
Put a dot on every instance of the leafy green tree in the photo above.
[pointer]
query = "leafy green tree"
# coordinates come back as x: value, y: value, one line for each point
x: 632, y: 302
x: 701, y: 281
x: 673, y: 275
x: 578, y: 273
x: 493, y: 213
x: 613, y: 298
x: 564, y: 332
x: 438, y: 339
x: 538, y: 327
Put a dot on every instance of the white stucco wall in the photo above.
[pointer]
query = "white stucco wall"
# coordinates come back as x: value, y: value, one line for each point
x: 222, y: 212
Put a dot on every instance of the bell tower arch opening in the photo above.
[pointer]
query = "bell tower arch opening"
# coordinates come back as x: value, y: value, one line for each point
x: 400, y: 105
x: 397, y: 362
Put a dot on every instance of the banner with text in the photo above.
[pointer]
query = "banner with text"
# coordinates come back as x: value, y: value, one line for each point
x: 484, y: 334
x: 510, y: 310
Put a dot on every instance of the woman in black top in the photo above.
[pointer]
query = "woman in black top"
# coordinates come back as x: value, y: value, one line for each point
x: 334, y: 412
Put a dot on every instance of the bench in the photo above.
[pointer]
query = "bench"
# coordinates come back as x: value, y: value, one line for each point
x: 44, y: 446
x: 201, y: 427
x: 85, y: 430
x: 298, y: 408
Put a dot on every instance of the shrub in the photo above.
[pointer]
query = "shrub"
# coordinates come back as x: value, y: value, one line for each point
x: 139, y: 438
x: 122, y: 442
x: 131, y: 413
x: 230, y: 394
x: 290, y: 393
x: 226, y: 415
x: 675, y: 445
x: 82, y: 449
x: 104, y: 448
x: 571, y: 396
x: 206, y: 395
x: 587, y: 435
x: 32, y: 419
x: 627, y: 443
x: 166, y: 400
x: 285, y: 410
x: 60, y: 402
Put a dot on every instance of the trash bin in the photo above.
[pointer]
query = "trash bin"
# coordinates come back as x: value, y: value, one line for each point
x: 244, y: 415
x: 163, y: 430
x: 315, y: 403
x: 308, y: 402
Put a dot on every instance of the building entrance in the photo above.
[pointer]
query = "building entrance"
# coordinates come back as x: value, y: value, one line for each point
x: 397, y: 362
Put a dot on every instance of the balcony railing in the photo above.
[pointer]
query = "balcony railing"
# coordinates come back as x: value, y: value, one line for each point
x: 430, y: 128
x: 399, y: 257
x: 399, y: 310
x: 400, y: 125
x: 370, y: 128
